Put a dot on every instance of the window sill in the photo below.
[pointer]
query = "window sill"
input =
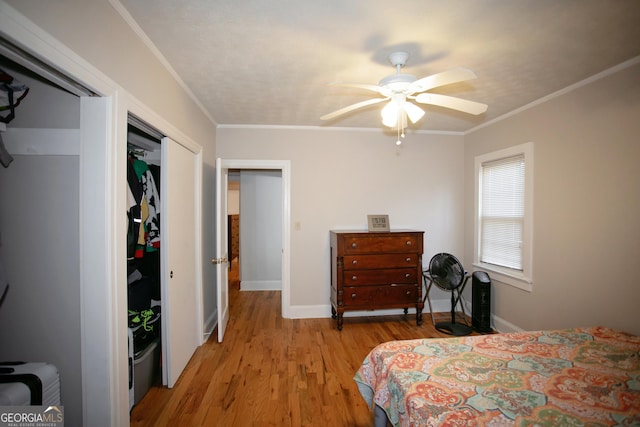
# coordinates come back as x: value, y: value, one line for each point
x: 508, y: 277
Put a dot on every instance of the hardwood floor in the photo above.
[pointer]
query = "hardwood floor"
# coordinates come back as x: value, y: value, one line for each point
x: 271, y: 371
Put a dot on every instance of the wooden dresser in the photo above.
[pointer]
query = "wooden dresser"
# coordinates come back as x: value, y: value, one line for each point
x: 376, y: 270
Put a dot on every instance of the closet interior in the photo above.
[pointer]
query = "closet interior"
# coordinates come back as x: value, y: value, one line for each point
x: 40, y: 318
x: 143, y: 258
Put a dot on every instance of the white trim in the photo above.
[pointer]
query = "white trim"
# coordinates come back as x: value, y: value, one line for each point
x: 336, y: 128
x: 135, y: 27
x: 26, y: 35
x: 44, y: 142
x: 285, y: 167
x: 506, y: 276
x: 102, y: 374
x: 503, y: 326
x: 626, y: 64
x: 519, y: 280
x: 323, y: 311
x: 163, y: 126
x: 209, y: 325
x: 261, y: 285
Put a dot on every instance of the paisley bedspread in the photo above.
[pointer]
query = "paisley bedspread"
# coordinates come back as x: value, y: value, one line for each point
x: 569, y: 377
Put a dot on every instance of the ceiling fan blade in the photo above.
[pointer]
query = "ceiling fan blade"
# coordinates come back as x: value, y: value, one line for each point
x: 454, y: 75
x: 352, y: 107
x: 460, y: 104
x: 374, y: 88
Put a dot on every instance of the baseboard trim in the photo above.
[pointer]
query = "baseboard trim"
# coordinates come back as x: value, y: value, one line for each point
x: 261, y: 285
x: 210, y: 325
x: 324, y: 311
x: 501, y: 325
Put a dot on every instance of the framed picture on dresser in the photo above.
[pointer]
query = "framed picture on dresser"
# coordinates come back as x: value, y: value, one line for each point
x: 378, y: 222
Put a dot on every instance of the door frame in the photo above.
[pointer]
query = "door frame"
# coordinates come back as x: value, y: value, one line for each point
x: 284, y: 166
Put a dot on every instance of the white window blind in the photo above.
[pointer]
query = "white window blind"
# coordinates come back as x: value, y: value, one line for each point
x: 502, y: 210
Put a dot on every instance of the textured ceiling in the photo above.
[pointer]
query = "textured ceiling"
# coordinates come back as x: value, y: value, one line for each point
x: 269, y: 62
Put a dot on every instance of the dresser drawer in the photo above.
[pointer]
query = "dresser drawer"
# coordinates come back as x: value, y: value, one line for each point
x: 355, y: 262
x: 355, y: 244
x: 380, y: 277
x: 363, y: 296
x: 375, y: 270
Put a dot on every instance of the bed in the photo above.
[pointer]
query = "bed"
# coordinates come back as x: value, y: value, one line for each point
x: 572, y: 377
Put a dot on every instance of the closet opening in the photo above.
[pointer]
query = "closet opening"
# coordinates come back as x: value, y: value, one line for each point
x: 163, y: 252
x: 144, y: 292
x: 40, y: 230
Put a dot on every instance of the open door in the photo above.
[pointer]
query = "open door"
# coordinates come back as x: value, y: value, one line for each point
x: 221, y: 261
x: 181, y: 302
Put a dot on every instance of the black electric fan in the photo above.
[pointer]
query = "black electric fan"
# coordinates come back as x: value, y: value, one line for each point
x: 448, y: 274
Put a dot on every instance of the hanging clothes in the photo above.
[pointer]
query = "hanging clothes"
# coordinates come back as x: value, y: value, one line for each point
x: 134, y: 213
x: 11, y: 93
x: 152, y: 221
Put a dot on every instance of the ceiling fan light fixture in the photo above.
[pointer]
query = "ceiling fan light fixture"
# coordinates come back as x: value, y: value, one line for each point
x: 414, y: 112
x: 389, y: 113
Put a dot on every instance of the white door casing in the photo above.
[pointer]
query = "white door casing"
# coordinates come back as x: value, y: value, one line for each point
x: 221, y: 261
x: 222, y: 168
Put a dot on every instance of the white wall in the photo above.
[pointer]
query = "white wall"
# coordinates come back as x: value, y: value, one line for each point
x: 261, y: 225
x: 586, y: 206
x: 340, y: 176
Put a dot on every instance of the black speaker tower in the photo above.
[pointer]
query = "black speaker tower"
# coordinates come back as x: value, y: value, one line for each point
x: 481, y: 302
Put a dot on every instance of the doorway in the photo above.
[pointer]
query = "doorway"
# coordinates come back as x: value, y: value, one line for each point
x: 254, y: 206
x: 224, y: 166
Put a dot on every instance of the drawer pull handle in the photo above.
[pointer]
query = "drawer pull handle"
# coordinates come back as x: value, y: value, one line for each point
x: 354, y: 262
x: 408, y: 259
x: 354, y: 245
x: 409, y: 243
x: 408, y: 292
x: 353, y: 295
x: 407, y: 275
x: 354, y: 278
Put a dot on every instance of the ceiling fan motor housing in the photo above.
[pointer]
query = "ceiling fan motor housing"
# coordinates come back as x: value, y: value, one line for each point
x: 398, y: 58
x: 397, y: 82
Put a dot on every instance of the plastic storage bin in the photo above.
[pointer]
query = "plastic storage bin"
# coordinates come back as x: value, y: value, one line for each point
x: 145, y: 370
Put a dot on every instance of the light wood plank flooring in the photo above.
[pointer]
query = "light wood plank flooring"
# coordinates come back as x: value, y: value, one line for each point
x: 271, y: 371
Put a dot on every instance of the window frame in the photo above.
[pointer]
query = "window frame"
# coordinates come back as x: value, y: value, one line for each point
x: 519, y: 279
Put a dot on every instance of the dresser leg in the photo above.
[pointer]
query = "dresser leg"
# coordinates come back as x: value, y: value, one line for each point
x: 406, y: 311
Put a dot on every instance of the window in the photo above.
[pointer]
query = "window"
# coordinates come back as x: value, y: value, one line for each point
x: 504, y: 199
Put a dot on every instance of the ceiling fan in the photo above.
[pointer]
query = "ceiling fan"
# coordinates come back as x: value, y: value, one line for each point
x: 401, y: 90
